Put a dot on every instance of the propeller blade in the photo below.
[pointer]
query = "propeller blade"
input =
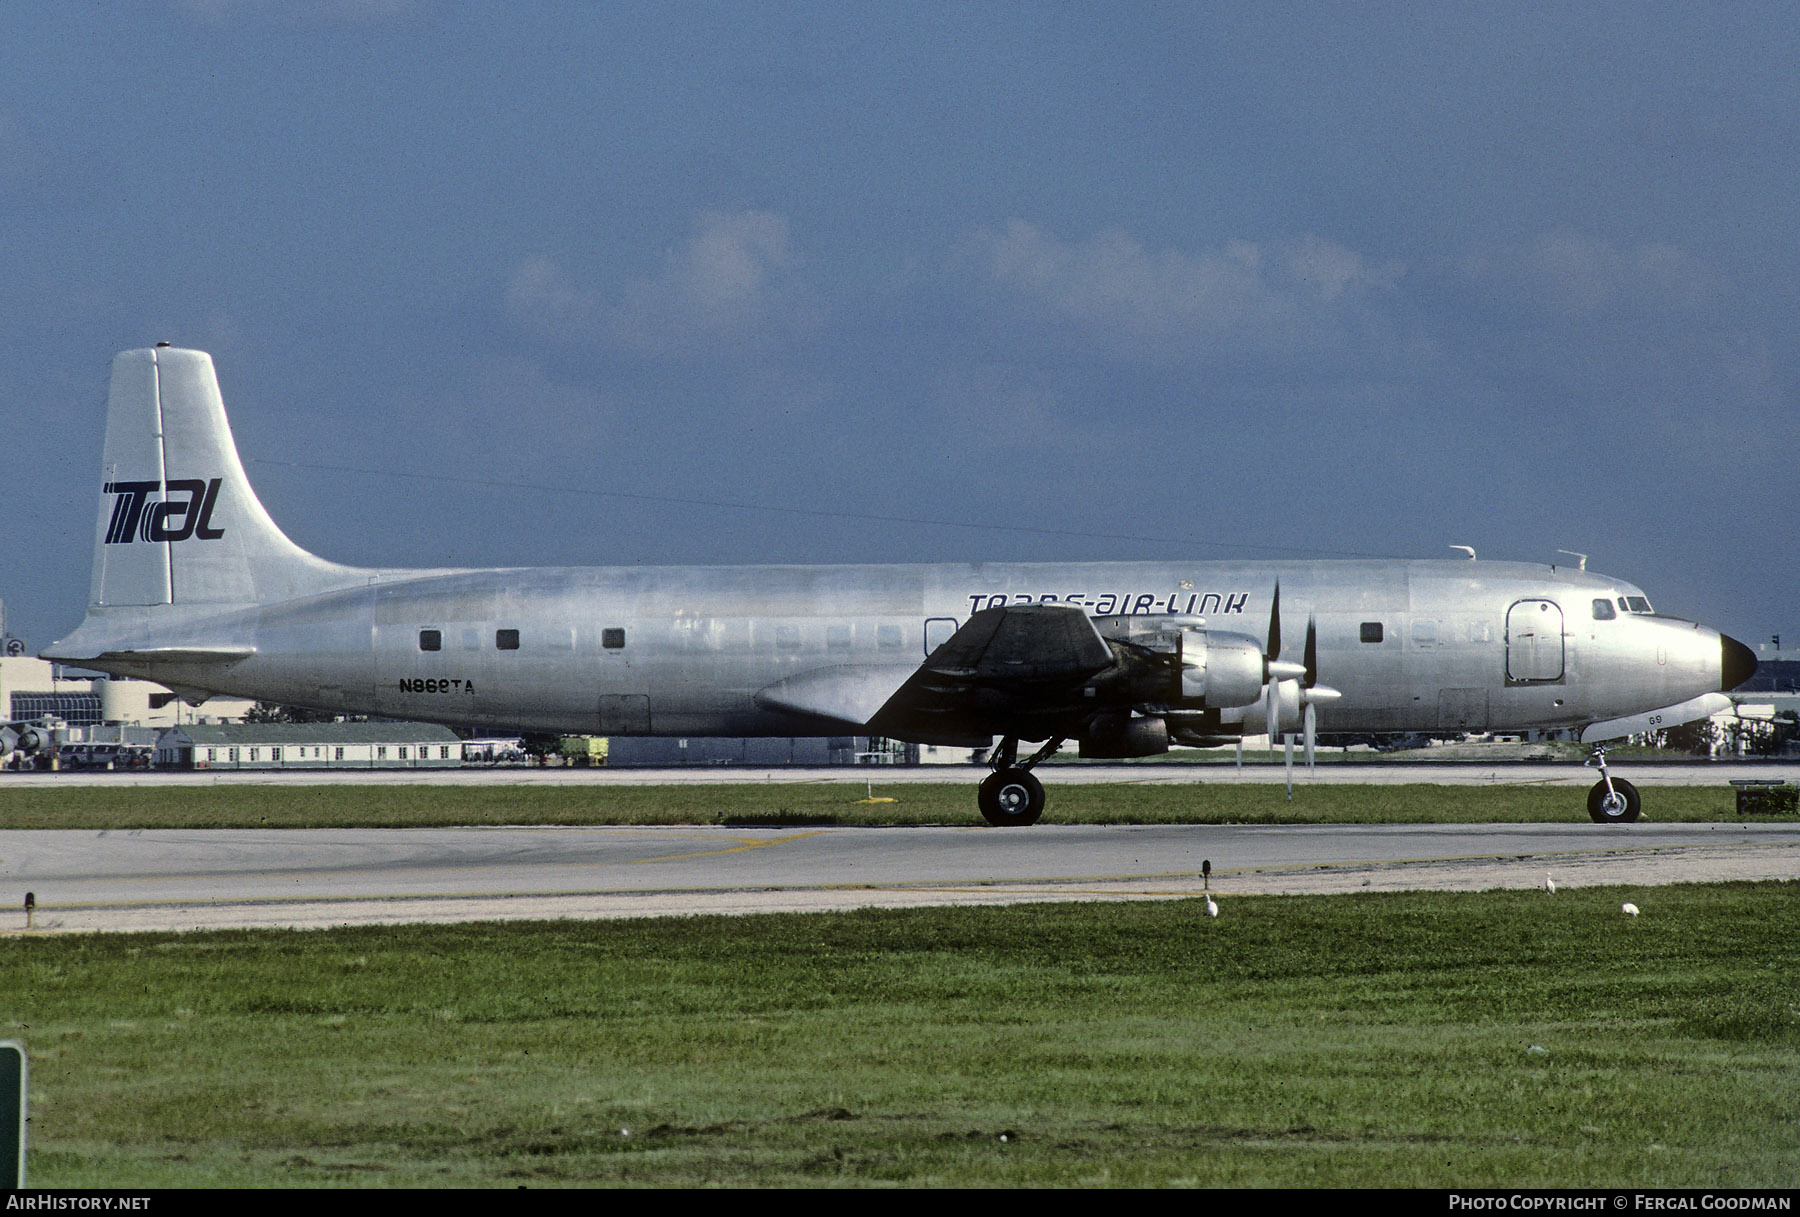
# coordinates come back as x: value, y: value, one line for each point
x: 1312, y: 735
x: 1290, y: 766
x: 1311, y: 654
x: 1274, y: 649
x: 1275, y: 671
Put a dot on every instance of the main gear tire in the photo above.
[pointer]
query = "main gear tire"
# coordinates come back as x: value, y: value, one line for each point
x: 1011, y: 798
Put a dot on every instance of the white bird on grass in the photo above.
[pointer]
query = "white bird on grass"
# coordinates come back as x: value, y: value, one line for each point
x: 1212, y: 909
x: 1629, y: 909
x: 1550, y: 885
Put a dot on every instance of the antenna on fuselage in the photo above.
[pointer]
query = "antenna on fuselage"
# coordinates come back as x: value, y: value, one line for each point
x: 1467, y: 549
x: 1581, y: 565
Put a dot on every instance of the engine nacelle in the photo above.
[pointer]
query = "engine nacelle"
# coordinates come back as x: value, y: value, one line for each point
x: 1117, y: 736
x: 1220, y: 669
x: 26, y: 739
x: 1174, y: 661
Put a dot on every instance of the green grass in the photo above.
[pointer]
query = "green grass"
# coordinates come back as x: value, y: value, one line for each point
x: 343, y: 805
x: 1505, y: 1039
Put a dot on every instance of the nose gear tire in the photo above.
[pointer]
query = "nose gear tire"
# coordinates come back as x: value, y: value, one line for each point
x: 1617, y: 806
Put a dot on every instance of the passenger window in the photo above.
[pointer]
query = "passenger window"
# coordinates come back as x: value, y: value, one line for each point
x: 837, y: 638
x: 1603, y: 610
x: 431, y: 640
x: 1371, y: 631
x: 613, y: 639
x: 506, y: 640
x: 889, y: 637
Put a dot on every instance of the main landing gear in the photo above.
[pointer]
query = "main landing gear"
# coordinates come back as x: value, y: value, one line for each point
x: 1611, y: 800
x: 1010, y: 796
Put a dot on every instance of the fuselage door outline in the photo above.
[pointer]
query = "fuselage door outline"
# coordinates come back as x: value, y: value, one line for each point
x: 1534, y: 642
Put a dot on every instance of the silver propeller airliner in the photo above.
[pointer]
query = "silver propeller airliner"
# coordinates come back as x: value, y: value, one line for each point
x: 195, y: 587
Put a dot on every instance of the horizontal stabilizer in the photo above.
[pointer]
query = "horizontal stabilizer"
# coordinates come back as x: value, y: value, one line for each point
x: 142, y: 656
x: 222, y: 654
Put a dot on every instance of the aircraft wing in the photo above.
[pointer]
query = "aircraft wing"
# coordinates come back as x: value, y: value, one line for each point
x: 1014, y: 669
x: 1691, y: 711
x: 1004, y: 667
x: 849, y: 695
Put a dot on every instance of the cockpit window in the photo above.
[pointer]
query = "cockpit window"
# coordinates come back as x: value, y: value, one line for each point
x: 1603, y: 610
x: 1638, y: 604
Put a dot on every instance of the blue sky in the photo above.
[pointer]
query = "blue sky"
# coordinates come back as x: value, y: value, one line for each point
x: 563, y: 283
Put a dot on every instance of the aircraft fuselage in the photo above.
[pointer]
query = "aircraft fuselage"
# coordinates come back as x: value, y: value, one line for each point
x: 194, y: 586
x: 1411, y: 646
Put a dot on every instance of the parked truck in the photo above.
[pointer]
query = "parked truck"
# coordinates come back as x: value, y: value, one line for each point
x: 582, y: 750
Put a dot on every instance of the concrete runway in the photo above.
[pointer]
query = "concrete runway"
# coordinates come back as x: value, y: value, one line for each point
x: 1256, y: 770
x: 194, y: 879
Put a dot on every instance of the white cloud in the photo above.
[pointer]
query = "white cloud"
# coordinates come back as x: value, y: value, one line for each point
x: 733, y: 281
x: 1586, y: 276
x: 1241, y: 297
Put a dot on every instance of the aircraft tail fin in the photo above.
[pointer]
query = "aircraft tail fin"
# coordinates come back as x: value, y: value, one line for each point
x: 179, y: 523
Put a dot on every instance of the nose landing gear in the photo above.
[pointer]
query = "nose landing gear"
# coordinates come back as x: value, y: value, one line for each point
x: 1611, y: 800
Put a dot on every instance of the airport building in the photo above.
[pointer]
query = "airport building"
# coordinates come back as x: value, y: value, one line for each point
x: 1777, y: 668
x: 819, y: 750
x: 309, y: 746
x: 31, y: 688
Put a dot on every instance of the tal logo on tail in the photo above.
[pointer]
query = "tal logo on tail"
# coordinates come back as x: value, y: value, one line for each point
x: 184, y: 510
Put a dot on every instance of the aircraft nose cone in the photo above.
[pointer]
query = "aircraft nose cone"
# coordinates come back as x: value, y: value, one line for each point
x: 1737, y: 663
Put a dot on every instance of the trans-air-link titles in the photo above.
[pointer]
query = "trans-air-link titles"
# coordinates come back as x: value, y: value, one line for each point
x: 1133, y: 604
